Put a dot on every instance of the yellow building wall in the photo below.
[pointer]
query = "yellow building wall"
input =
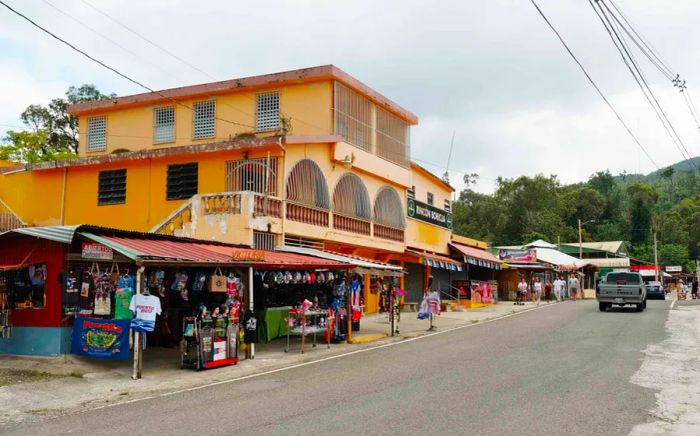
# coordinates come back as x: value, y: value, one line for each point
x: 308, y: 106
x: 34, y: 196
x: 423, y: 235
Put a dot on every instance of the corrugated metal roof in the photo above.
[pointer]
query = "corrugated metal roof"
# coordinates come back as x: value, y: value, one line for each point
x: 63, y: 234
x: 478, y: 254
x: 341, y: 258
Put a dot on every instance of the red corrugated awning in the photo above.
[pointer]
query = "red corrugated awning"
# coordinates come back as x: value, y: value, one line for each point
x: 10, y: 267
x: 200, y: 253
x: 477, y: 256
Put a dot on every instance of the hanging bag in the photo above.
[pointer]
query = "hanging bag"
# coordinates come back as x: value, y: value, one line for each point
x: 217, y: 281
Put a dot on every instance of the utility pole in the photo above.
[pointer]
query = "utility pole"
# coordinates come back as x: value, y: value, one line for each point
x: 656, y: 260
x: 580, y: 241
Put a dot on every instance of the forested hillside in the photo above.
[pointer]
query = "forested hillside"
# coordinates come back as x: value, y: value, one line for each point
x: 626, y: 207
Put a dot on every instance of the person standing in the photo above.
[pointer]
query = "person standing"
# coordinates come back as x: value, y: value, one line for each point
x: 548, y: 291
x: 559, y: 285
x: 537, y: 290
x: 573, y: 286
x: 522, y: 291
x: 695, y: 288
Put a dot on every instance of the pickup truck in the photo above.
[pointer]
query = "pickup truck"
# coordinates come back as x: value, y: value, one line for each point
x: 621, y: 288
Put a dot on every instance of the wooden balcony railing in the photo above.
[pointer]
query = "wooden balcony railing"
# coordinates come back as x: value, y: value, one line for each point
x: 176, y: 221
x: 353, y: 225
x: 225, y: 203
x: 307, y: 215
x: 273, y: 209
x: 390, y: 233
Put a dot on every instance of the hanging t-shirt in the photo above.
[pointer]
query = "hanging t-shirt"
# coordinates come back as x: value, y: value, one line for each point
x: 250, y: 328
x: 146, y: 307
x: 71, y: 289
x: 122, y: 301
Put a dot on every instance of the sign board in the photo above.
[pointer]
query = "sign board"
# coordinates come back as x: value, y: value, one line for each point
x: 674, y: 269
x: 508, y: 255
x: 429, y: 214
x: 248, y: 255
x: 95, y: 251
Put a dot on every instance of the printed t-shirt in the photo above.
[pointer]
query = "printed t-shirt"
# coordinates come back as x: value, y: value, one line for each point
x: 146, y: 307
x: 122, y: 302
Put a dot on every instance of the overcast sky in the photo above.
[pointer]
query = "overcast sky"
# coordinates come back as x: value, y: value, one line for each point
x: 491, y: 71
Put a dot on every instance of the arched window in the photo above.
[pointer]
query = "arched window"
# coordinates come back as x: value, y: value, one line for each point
x: 388, y: 209
x: 351, y: 199
x: 306, y: 185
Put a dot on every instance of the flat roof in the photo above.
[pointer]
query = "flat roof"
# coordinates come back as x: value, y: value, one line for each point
x: 304, y: 75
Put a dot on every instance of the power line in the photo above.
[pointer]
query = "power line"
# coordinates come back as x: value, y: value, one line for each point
x: 106, y: 38
x: 114, y: 70
x: 139, y: 35
x: 607, y: 102
x: 638, y: 75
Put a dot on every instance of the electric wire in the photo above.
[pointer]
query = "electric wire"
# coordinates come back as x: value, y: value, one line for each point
x: 638, y: 75
x: 104, y: 65
x: 590, y: 79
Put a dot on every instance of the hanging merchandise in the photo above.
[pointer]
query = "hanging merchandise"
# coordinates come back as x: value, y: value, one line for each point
x: 232, y: 283
x: 200, y: 279
x: 250, y: 327
x: 123, y: 296
x: 145, y: 307
x: 180, y: 285
x: 156, y: 282
x: 104, y: 287
x: 5, y: 327
x: 217, y: 281
x: 71, y: 291
x: 96, y: 337
x: 86, y: 301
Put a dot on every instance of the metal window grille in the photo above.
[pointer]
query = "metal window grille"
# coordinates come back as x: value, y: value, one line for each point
x: 264, y: 240
x: 182, y: 181
x: 298, y: 241
x: 411, y: 193
x: 306, y: 185
x: 350, y: 198
x: 392, y: 138
x: 164, y: 124
x: 97, y: 133
x: 430, y: 198
x: 267, y: 113
x: 352, y: 116
x: 448, y: 206
x: 257, y: 175
x: 204, y: 119
x: 111, y: 188
x: 388, y: 209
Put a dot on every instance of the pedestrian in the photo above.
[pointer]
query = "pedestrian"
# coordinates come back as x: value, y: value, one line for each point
x: 522, y: 291
x: 559, y: 286
x: 573, y: 286
x: 548, y: 291
x: 695, y: 288
x: 537, y: 290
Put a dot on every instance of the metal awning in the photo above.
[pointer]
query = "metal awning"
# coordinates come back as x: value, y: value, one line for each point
x: 361, y: 266
x: 437, y: 260
x: 477, y: 256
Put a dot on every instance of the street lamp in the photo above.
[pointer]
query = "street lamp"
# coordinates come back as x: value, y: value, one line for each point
x: 580, y: 240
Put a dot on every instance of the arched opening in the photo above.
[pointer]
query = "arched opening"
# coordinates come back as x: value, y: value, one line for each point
x: 307, y: 194
x: 352, y: 210
x: 389, y: 215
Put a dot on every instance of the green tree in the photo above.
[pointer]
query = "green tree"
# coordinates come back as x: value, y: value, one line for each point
x: 54, y: 130
x: 642, y: 199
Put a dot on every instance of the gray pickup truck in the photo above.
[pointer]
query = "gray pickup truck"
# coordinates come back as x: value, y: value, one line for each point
x: 620, y: 288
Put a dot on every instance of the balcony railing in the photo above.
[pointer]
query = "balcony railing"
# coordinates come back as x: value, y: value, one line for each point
x: 307, y: 215
x: 352, y: 225
x: 390, y: 233
x: 273, y: 207
x: 176, y: 221
x: 225, y: 203
x: 8, y: 219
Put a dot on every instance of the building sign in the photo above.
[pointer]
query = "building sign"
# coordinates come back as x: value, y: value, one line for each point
x: 95, y: 251
x: 104, y: 338
x: 429, y: 214
x: 508, y: 255
x: 248, y: 255
x: 674, y: 269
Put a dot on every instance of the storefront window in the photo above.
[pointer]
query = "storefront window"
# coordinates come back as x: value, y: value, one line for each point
x: 25, y: 287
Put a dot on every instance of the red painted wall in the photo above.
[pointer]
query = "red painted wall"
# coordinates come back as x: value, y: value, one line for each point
x: 14, y: 251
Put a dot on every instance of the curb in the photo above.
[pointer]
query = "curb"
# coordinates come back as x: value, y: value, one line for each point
x: 363, y: 339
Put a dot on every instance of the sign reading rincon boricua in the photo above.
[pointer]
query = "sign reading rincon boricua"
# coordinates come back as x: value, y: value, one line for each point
x: 429, y: 214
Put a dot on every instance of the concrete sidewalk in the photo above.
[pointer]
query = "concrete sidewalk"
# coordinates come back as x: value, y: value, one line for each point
x: 98, y: 383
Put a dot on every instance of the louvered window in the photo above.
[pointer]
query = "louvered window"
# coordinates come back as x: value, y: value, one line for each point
x: 204, y: 118
x: 97, y: 133
x: 430, y: 198
x: 264, y: 240
x: 182, y: 181
x: 163, y: 124
x: 267, y: 114
x: 448, y: 206
x: 112, y: 187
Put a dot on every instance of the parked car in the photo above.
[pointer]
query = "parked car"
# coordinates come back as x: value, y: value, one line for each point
x: 621, y: 288
x: 655, y: 291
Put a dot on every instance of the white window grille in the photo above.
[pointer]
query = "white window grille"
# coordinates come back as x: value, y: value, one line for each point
x: 97, y: 133
x: 448, y: 206
x: 264, y: 240
x: 164, y: 124
x: 299, y: 241
x: 430, y: 198
x: 204, y: 119
x: 267, y: 113
x: 257, y: 175
x: 411, y: 193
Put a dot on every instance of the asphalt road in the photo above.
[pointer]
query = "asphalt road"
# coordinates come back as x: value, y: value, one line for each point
x: 559, y: 370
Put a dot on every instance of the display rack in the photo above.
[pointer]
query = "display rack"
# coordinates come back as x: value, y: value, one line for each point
x: 202, y: 348
x: 309, y: 322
